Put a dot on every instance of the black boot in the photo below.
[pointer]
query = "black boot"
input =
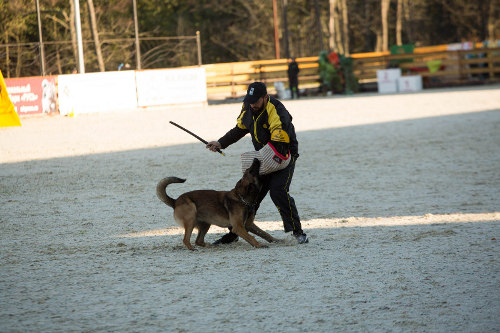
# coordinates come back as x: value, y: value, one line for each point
x: 226, y: 239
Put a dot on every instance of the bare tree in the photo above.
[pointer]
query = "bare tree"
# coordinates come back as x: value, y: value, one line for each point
x: 73, y: 30
x: 345, y: 27
x: 408, y: 19
x: 338, y: 28
x: 385, y: 24
x: 331, y: 26
x: 493, y: 22
x: 399, y: 23
x: 95, y: 34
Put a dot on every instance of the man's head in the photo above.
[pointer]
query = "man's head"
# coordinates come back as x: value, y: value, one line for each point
x: 256, y: 96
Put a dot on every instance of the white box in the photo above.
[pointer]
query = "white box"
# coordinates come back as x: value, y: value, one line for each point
x: 388, y: 87
x: 388, y: 75
x: 387, y: 80
x: 410, y: 83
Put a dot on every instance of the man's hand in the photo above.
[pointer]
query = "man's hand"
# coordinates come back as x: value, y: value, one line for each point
x: 213, y: 145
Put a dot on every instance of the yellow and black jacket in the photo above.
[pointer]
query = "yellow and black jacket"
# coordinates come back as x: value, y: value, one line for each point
x: 273, y: 124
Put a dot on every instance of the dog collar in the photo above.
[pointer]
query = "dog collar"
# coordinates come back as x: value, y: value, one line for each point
x: 246, y: 202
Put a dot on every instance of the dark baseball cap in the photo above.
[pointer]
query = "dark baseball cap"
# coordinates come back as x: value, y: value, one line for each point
x: 255, y: 91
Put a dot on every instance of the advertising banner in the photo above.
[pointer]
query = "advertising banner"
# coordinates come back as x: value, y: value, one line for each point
x: 33, y: 95
x: 171, y: 86
x: 97, y: 92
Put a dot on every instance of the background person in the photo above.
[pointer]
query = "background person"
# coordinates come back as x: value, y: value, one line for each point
x: 293, y: 77
x: 268, y: 121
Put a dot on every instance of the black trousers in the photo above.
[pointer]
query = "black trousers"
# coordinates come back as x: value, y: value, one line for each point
x: 294, y: 88
x: 277, y: 184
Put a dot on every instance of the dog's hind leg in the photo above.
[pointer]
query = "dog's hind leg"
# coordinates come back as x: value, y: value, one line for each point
x: 188, y: 230
x: 202, y: 231
x: 186, y: 216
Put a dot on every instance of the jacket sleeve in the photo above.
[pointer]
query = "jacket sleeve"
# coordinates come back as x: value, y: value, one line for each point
x: 279, y: 124
x: 236, y: 132
x: 232, y: 136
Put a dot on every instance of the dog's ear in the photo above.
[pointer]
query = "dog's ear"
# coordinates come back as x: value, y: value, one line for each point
x: 254, y: 168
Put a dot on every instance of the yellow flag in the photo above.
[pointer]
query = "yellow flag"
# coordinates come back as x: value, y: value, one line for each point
x: 8, y: 115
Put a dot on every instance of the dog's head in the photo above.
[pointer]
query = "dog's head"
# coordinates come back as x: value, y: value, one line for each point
x: 249, y: 185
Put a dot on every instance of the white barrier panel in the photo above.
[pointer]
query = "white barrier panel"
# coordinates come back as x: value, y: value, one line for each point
x: 171, y: 86
x: 411, y: 83
x: 97, y: 92
x: 387, y: 80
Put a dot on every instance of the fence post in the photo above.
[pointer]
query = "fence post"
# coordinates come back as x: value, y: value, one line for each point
x: 233, y: 88
x: 460, y: 70
x: 7, y: 60
x: 78, y: 28
x: 42, y: 55
x: 490, y: 64
x: 198, y: 44
x: 137, y: 46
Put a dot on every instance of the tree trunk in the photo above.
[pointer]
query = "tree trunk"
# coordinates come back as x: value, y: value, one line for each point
x: 385, y: 25
x: 95, y: 34
x: 399, y: 23
x: 378, y: 45
x: 366, y: 27
x: 345, y: 30
x: 408, y: 20
x: 338, y: 29
x: 318, y: 24
x: 72, y: 29
x: 493, y: 22
x: 331, y: 26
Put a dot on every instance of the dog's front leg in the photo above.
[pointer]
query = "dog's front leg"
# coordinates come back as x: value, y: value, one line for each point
x: 253, y: 228
x: 237, y: 222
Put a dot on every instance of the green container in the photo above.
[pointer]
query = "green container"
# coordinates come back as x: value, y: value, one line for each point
x: 401, y: 49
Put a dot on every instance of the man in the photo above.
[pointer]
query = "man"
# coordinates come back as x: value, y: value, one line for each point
x: 268, y: 121
x: 293, y: 77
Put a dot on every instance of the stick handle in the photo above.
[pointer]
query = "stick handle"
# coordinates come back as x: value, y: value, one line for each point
x: 196, y: 136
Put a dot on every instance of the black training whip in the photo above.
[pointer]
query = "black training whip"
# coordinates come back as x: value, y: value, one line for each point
x: 196, y: 136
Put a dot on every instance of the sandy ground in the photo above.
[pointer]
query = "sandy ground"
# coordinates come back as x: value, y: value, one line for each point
x: 399, y: 194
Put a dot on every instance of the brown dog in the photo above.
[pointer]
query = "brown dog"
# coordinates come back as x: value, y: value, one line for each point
x: 235, y: 208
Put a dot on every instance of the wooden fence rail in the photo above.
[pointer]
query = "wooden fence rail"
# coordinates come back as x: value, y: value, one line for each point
x: 435, y: 64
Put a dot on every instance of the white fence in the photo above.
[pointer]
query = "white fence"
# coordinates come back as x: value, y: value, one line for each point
x: 114, y: 91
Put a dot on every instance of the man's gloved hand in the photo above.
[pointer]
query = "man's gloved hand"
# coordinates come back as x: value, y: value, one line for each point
x: 280, y: 141
x: 280, y: 147
x: 213, y: 145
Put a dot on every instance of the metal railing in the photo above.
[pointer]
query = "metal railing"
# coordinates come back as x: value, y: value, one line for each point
x: 61, y: 57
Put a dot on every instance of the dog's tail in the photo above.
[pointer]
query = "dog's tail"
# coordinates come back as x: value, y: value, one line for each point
x: 161, y: 187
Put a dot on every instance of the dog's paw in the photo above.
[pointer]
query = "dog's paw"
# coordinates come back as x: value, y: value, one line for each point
x: 278, y: 241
